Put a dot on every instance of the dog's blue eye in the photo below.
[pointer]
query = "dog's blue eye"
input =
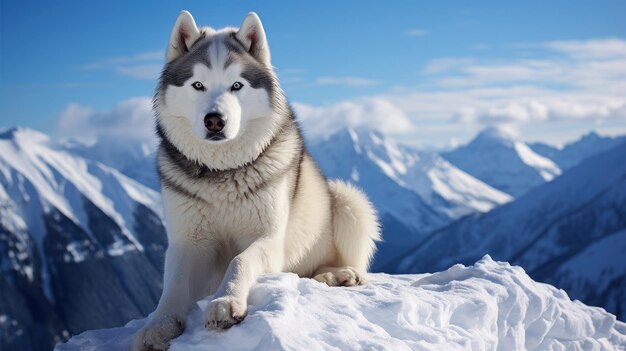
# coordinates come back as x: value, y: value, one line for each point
x: 236, y: 86
x: 197, y: 86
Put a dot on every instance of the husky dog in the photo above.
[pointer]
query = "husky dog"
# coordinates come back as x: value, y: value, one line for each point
x: 242, y: 196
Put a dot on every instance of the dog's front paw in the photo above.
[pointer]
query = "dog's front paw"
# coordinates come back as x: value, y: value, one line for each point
x: 224, y: 312
x: 345, y: 276
x: 158, y: 334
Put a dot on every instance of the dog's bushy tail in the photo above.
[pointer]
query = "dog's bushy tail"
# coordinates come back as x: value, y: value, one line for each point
x: 355, y: 225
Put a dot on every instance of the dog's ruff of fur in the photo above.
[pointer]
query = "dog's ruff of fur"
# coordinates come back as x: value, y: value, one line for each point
x: 252, y: 203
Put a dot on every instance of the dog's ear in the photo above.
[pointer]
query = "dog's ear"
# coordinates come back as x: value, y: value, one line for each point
x: 252, y: 35
x: 184, y: 34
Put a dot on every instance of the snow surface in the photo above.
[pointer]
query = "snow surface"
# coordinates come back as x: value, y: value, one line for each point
x: 600, y: 270
x: 487, y: 306
x: 601, y: 262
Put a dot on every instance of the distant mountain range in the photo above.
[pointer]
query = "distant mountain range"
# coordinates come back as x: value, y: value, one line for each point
x: 82, y: 236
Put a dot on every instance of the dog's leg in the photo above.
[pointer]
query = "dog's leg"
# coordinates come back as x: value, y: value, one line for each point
x: 185, y: 281
x: 230, y: 304
x: 339, y: 276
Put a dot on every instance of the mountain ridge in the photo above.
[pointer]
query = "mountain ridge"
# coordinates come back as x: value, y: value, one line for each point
x: 578, y: 150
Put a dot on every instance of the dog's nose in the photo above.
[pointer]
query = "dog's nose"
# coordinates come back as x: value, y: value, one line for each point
x: 214, y: 122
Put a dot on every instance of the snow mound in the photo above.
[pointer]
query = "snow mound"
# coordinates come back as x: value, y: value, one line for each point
x: 487, y: 306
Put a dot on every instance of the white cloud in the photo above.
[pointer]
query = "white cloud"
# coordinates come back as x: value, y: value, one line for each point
x: 143, y: 65
x: 131, y: 119
x: 590, y: 49
x: 375, y: 113
x: 349, y: 81
x: 575, y: 81
x: 481, y: 106
x: 416, y: 32
x: 549, y: 108
x: 597, y: 65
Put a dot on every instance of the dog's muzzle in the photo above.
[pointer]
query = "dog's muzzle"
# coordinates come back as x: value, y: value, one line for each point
x: 214, y: 123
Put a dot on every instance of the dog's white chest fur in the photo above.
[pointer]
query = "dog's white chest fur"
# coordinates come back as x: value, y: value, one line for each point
x: 220, y: 214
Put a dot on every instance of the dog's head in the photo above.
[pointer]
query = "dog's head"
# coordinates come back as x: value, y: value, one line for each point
x: 217, y: 88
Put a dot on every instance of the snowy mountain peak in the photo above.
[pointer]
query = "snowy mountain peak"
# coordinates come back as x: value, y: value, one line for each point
x: 499, y: 159
x: 369, y: 139
x: 385, y: 152
x: 28, y: 156
x: 22, y: 135
x: 496, y: 134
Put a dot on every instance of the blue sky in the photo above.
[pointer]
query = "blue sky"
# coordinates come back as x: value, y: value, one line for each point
x: 433, y: 72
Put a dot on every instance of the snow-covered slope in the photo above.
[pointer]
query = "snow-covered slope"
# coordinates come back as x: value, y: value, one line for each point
x: 135, y: 159
x: 599, y: 271
x: 77, y: 239
x: 504, y: 162
x: 487, y: 306
x: 575, y: 152
x: 578, y: 217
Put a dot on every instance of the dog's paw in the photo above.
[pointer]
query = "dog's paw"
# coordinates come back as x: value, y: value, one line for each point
x: 345, y: 276
x: 224, y: 312
x: 158, y: 334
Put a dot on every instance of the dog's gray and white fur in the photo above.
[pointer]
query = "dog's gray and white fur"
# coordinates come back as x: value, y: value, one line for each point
x: 242, y: 197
